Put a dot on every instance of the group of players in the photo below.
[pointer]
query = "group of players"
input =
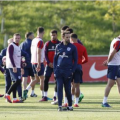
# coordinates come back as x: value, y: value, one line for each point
x: 63, y: 58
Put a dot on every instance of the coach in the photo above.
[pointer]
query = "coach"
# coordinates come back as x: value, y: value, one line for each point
x: 64, y: 67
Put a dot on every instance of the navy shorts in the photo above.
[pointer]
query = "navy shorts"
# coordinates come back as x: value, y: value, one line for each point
x: 48, y: 71
x: 113, y: 72
x: 15, y: 76
x: 41, y: 72
x: 28, y: 72
x: 77, y: 76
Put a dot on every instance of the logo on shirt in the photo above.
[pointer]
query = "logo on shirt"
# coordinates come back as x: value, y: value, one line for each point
x: 19, y: 77
x: 52, y: 47
x: 64, y: 55
x: 68, y: 48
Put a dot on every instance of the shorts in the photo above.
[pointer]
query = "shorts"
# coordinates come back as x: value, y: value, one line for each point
x: 113, y: 72
x: 77, y: 76
x: 41, y: 72
x: 28, y: 72
x: 15, y: 76
x: 48, y: 71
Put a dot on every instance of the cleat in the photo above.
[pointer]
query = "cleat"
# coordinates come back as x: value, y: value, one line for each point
x: 49, y: 98
x: 17, y: 101
x: 80, y: 97
x: 65, y: 105
x: 25, y: 94
x: 60, y: 109
x: 76, y: 105
x: 33, y: 95
x: 68, y: 109
x: 54, y: 98
x: 1, y: 95
x: 43, y: 99
x: 7, y: 97
x: 55, y: 102
x: 105, y: 105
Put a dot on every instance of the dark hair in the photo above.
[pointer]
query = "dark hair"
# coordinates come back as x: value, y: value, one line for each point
x: 28, y: 34
x: 70, y: 30
x: 73, y: 35
x: 40, y: 29
x: 53, y: 31
x: 64, y: 27
x: 16, y: 34
x: 65, y: 32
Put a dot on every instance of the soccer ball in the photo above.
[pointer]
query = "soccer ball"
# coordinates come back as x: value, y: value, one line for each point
x: 4, y: 59
x: 23, y: 59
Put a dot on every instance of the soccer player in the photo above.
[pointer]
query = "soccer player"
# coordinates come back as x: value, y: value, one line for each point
x: 113, y: 74
x: 72, y: 84
x: 64, y: 68
x: 49, y: 56
x: 3, y: 63
x: 37, y: 59
x: 77, y: 76
x: 28, y: 71
x: 13, y: 63
x: 7, y: 73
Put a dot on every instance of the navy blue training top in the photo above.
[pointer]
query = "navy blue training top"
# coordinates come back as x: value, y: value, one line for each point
x: 64, y: 57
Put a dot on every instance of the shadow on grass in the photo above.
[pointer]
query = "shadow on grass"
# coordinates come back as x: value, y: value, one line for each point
x: 45, y: 108
x: 91, y: 102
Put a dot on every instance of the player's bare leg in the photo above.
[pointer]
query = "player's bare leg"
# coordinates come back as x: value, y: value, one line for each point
x: 33, y: 87
x: 110, y: 84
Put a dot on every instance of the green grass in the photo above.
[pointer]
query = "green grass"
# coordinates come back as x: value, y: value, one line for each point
x: 89, y: 109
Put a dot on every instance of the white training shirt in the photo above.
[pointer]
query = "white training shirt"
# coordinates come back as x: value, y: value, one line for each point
x: 16, y: 57
x: 37, y: 43
x: 115, y: 44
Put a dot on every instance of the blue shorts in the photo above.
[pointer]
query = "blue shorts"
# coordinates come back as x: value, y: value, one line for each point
x: 48, y: 71
x: 113, y: 72
x: 77, y: 76
x: 15, y: 76
x: 41, y: 72
x: 28, y: 72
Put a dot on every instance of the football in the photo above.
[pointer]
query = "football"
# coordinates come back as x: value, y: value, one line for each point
x: 4, y: 59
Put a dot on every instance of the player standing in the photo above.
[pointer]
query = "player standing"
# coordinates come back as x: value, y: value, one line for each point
x: 28, y: 71
x: 37, y: 59
x: 49, y: 56
x: 64, y: 67
x: 13, y: 63
x: 77, y: 76
x: 113, y: 74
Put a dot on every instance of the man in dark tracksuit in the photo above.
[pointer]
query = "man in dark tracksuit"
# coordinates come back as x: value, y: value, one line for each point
x: 64, y: 68
x: 28, y: 71
x: 49, y: 57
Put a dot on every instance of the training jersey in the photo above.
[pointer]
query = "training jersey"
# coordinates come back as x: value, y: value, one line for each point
x: 115, y: 44
x: 26, y: 46
x: 64, y: 57
x: 50, y: 50
x: 81, y: 50
x: 37, y: 43
x: 13, y: 60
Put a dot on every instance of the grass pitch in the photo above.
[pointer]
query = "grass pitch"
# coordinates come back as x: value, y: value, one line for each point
x: 89, y: 109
